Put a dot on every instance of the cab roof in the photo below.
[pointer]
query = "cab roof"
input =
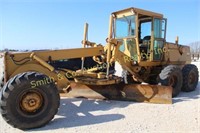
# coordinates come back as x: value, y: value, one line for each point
x: 141, y: 12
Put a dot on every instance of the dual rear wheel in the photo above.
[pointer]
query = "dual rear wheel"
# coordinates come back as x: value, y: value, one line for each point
x: 185, y: 79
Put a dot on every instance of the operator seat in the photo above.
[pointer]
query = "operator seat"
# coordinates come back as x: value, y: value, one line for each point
x: 145, y: 47
x: 147, y: 38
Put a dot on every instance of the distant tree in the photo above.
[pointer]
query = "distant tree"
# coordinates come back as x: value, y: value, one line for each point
x: 195, y: 47
x: 195, y: 50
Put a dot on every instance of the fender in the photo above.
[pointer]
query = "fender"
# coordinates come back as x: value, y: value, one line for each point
x: 60, y: 79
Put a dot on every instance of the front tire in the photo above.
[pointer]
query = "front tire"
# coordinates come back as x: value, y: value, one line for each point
x: 27, y: 101
x: 172, y: 76
x: 190, y: 77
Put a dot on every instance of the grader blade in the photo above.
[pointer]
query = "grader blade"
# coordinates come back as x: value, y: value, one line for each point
x: 132, y: 92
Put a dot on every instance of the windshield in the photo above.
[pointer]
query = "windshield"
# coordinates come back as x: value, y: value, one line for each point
x: 125, y: 26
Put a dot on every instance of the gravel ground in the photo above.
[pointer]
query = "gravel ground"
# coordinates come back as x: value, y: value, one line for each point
x: 81, y: 115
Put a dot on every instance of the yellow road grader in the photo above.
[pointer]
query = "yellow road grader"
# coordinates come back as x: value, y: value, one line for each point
x: 154, y: 70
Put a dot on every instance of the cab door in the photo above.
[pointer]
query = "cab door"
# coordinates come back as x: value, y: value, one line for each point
x: 159, y: 35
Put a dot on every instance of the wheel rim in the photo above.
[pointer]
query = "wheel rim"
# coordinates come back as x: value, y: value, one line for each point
x: 31, y: 101
x: 191, y: 78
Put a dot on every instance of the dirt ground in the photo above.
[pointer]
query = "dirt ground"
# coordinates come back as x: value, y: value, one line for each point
x: 81, y: 115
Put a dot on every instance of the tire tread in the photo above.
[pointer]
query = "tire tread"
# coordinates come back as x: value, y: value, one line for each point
x: 9, y: 87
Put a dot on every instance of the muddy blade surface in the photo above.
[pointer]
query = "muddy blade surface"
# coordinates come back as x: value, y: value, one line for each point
x: 133, y: 92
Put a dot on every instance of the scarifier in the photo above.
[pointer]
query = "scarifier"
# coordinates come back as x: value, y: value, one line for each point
x: 153, y: 70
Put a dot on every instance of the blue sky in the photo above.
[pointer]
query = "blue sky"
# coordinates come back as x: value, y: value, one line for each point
x: 49, y: 24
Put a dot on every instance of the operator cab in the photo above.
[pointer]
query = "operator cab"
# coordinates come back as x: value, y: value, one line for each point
x: 141, y: 32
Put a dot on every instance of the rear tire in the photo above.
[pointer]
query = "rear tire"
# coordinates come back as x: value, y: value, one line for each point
x: 172, y: 76
x: 26, y: 105
x: 190, y: 77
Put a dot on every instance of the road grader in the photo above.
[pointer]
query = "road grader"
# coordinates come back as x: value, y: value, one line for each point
x: 154, y: 70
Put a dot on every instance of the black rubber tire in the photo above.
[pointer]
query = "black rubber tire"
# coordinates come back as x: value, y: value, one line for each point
x: 11, y: 105
x: 172, y: 76
x: 190, y: 72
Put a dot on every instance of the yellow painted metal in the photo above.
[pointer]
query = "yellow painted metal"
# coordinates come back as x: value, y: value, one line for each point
x: 109, y: 46
x: 137, y: 41
x: 59, y: 78
x: 42, y: 62
x: 152, y: 41
x: 85, y: 34
x: 32, y: 67
x: 176, y: 41
x: 131, y: 11
x: 31, y: 101
x: 131, y: 92
x: 61, y: 54
x: 85, y: 38
x: 177, y: 53
x: 47, y: 55
x: 98, y: 81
